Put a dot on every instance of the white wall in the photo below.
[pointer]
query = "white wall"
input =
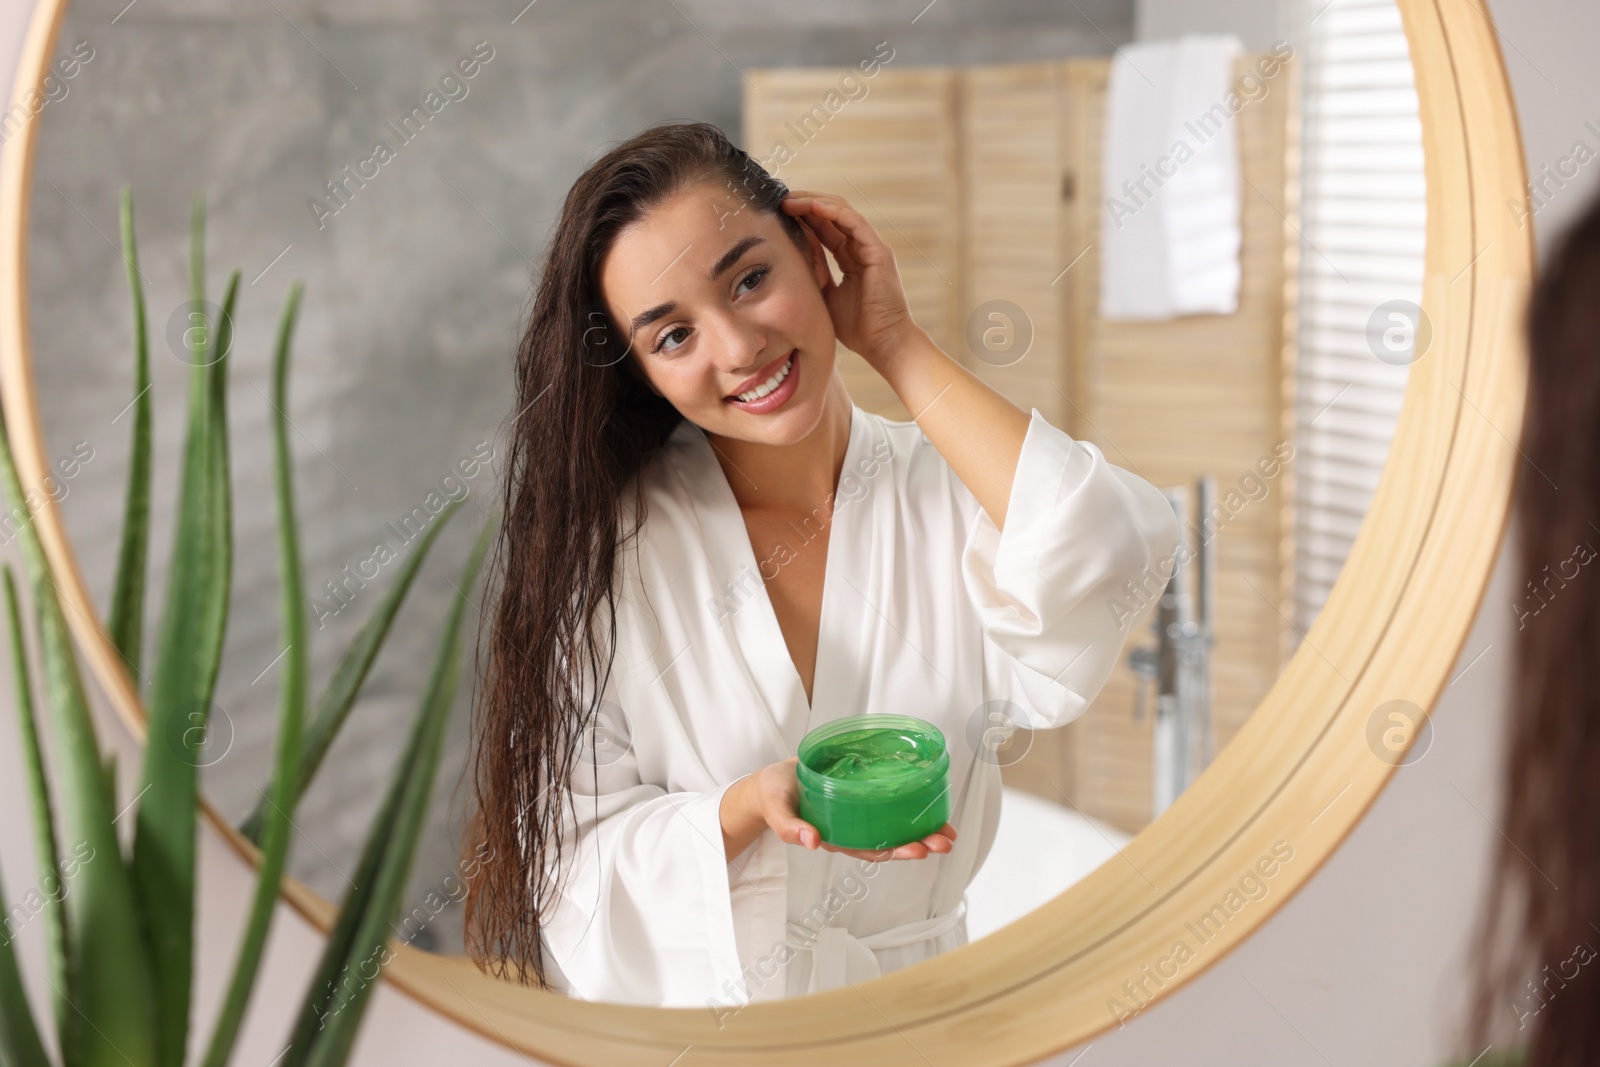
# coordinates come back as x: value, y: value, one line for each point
x: 1364, y: 966
x: 1254, y: 21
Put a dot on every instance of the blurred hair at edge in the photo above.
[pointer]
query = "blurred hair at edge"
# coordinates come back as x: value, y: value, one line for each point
x: 1536, y: 984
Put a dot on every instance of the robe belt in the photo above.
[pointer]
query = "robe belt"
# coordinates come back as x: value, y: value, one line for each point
x: 838, y: 956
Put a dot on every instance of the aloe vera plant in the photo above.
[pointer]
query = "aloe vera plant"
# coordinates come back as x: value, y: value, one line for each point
x: 120, y: 946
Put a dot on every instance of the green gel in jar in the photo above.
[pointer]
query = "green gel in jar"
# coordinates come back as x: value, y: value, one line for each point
x: 871, y: 755
x: 874, y: 781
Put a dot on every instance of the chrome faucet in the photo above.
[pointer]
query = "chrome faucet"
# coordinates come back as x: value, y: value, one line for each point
x: 1178, y: 665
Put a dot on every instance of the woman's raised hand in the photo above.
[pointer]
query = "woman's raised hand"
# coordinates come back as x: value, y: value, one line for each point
x: 777, y: 794
x: 869, y: 310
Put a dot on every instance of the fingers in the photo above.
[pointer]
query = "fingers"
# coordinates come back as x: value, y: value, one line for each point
x: 829, y: 214
x: 833, y: 210
x: 835, y: 241
x: 875, y: 854
x: 805, y: 835
x: 800, y: 197
x: 904, y: 852
x: 832, y: 238
x: 781, y: 812
x: 941, y: 842
x: 828, y: 233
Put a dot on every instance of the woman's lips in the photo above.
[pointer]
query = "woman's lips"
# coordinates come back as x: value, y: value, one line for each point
x: 760, y: 376
x: 779, y: 396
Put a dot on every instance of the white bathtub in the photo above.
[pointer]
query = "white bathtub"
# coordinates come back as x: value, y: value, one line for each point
x: 1039, y: 850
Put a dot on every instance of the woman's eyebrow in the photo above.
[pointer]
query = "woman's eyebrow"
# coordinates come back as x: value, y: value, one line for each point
x: 720, y: 267
x: 731, y: 256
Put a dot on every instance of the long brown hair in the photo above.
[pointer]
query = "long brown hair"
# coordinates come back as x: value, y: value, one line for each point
x: 585, y: 421
x: 1536, y: 984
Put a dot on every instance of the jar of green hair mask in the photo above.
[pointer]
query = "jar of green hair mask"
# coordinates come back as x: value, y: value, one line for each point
x: 874, y: 781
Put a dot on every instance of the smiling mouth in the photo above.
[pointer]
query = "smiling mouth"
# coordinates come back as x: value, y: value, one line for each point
x: 767, y: 386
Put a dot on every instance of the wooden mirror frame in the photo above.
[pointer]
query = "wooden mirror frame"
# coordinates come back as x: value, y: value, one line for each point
x: 1299, y: 775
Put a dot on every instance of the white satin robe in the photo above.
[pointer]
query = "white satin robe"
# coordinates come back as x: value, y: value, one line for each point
x: 927, y: 610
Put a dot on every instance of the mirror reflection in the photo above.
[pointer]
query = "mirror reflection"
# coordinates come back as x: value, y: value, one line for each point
x: 1023, y: 373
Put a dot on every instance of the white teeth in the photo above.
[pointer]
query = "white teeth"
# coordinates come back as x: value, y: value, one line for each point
x: 769, y: 385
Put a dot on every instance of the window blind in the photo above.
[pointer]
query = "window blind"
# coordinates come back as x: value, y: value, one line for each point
x: 1363, y: 223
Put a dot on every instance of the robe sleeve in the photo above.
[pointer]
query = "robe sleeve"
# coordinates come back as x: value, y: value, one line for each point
x: 645, y: 910
x: 1051, y: 589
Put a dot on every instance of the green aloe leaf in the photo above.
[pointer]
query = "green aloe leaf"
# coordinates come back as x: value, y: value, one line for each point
x: 126, y: 626
x: 285, y: 777
x: 44, y: 822
x: 108, y: 985
x: 187, y: 662
x: 333, y: 707
x: 19, y: 1036
x: 222, y: 510
x: 359, y: 945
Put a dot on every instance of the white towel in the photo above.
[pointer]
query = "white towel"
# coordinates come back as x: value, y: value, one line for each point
x: 1169, y: 233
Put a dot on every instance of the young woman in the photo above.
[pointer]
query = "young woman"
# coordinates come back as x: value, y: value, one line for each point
x: 709, y: 550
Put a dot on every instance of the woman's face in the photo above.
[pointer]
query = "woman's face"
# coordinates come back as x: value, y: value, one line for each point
x: 719, y: 304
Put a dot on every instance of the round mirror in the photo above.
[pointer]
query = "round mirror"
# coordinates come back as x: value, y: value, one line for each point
x: 1252, y: 275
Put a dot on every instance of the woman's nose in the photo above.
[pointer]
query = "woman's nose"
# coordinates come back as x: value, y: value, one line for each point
x: 740, y: 348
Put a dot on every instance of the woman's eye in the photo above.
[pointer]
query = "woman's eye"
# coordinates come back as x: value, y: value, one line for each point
x: 663, y: 340
x: 755, y: 275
